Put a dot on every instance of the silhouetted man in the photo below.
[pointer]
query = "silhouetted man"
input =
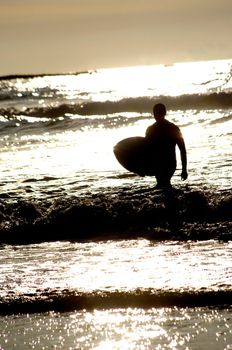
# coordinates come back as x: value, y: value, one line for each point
x: 162, y: 138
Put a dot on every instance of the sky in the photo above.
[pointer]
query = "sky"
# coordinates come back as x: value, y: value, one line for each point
x: 56, y: 36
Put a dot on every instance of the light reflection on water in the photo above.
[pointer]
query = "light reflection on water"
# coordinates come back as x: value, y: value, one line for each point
x: 77, y: 156
x: 122, y: 265
x: 106, y: 84
x: 129, y: 329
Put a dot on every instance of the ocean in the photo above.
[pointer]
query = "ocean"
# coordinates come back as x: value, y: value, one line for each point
x: 93, y: 256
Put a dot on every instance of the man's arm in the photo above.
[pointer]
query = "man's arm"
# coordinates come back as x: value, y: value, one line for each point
x: 183, y: 155
x: 149, y: 131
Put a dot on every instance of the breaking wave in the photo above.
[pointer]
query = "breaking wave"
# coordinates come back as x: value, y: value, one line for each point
x: 68, y: 300
x: 221, y: 100
x: 130, y: 213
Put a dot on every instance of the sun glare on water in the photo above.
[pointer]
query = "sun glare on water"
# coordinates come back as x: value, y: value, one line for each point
x: 64, y: 152
x: 117, y: 83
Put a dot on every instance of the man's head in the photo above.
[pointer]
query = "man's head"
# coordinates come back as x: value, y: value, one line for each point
x: 159, y: 111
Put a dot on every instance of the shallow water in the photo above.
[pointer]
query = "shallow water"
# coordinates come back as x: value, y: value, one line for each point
x: 124, y: 265
x: 125, y: 270
x: 58, y: 132
x: 164, y: 328
x: 93, y: 256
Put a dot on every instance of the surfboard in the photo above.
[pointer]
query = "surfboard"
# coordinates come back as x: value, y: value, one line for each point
x: 132, y: 153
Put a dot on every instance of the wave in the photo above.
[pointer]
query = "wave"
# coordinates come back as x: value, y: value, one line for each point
x: 221, y: 120
x: 145, y: 104
x: 68, y: 300
x: 222, y: 100
x: 129, y: 213
x: 34, y: 125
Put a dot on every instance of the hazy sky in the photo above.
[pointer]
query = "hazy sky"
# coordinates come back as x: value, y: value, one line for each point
x: 40, y: 36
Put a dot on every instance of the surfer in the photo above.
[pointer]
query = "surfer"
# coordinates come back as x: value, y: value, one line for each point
x: 162, y: 138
